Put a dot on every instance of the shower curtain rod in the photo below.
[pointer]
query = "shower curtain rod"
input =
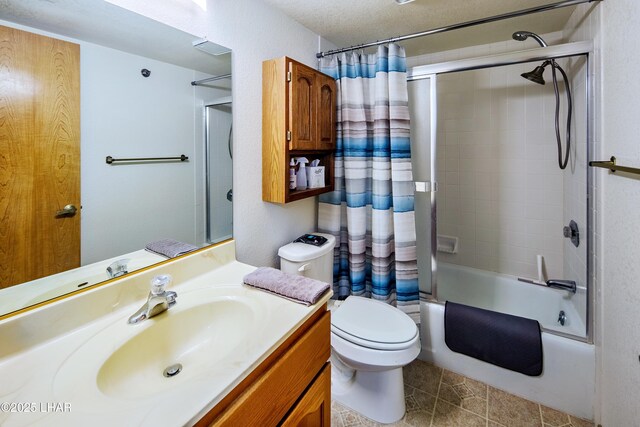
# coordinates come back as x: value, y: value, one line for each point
x: 461, y: 25
x: 210, y: 79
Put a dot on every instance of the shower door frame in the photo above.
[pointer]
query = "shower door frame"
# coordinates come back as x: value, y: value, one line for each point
x: 207, y: 163
x: 431, y: 71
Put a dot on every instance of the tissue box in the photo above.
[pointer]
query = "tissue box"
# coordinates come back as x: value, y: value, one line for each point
x: 315, y: 177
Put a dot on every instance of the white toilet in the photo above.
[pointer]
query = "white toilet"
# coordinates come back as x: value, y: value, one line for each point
x: 370, y: 340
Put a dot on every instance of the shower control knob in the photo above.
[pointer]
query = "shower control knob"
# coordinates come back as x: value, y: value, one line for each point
x: 571, y: 232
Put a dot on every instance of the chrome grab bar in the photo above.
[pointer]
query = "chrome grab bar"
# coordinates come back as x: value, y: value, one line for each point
x: 110, y: 160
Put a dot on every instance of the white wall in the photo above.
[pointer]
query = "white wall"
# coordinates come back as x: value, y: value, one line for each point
x: 613, y: 24
x: 256, y: 32
x: 126, y: 115
x: 617, y: 201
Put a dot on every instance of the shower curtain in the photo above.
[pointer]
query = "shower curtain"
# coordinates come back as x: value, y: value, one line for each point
x: 371, y: 213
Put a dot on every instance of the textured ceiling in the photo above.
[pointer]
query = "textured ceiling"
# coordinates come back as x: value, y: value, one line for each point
x: 352, y: 22
x: 102, y: 23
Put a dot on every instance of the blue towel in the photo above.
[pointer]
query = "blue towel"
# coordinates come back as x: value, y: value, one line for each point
x: 511, y: 342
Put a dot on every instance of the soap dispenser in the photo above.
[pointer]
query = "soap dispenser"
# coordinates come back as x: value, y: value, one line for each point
x: 302, y: 173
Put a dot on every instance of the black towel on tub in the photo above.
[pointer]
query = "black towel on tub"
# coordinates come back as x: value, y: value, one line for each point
x: 510, y: 342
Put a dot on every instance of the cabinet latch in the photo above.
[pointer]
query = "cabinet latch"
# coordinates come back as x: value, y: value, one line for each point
x: 288, y: 135
x: 288, y: 76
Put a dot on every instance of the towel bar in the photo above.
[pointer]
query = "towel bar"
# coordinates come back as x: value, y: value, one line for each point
x: 110, y: 160
x: 611, y: 165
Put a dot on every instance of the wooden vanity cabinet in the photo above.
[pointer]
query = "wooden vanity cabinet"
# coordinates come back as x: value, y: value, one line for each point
x: 298, y: 120
x: 292, y: 387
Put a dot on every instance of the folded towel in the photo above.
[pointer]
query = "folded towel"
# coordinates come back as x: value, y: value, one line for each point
x: 170, y: 248
x: 510, y: 342
x: 295, y: 288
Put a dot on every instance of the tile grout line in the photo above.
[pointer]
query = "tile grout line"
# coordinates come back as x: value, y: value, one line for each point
x: 486, y: 410
x: 433, y: 414
x: 541, y: 417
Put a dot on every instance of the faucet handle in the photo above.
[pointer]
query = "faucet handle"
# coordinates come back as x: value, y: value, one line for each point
x: 160, y: 283
x: 118, y: 268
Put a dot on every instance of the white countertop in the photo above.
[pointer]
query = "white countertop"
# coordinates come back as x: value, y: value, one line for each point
x: 54, y: 375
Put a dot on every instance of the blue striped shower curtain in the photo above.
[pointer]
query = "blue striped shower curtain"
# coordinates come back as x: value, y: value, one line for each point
x: 371, y: 213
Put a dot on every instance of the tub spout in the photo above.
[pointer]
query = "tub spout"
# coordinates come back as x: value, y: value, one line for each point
x: 567, y: 285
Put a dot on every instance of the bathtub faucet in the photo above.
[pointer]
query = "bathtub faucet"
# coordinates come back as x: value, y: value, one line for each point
x: 567, y: 285
x: 158, y: 301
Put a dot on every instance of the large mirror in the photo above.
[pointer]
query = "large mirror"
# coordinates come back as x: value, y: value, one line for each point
x: 84, y: 85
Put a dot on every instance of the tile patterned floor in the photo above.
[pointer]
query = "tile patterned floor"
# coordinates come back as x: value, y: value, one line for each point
x: 436, y: 397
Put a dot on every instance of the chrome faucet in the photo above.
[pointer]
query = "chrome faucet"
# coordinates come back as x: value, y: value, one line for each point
x: 567, y: 285
x: 158, y: 301
x: 118, y: 268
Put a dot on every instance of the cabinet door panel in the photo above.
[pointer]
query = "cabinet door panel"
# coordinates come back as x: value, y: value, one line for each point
x: 314, y: 407
x: 326, y: 115
x: 302, y: 110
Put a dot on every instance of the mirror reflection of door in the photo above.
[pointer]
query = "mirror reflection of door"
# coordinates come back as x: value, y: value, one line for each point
x: 219, y: 135
x: 39, y: 156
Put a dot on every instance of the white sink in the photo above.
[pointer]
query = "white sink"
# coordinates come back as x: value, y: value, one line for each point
x: 200, y: 332
x: 110, y: 373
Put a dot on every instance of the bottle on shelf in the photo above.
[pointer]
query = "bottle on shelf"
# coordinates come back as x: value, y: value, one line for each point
x: 302, y: 173
x: 292, y: 174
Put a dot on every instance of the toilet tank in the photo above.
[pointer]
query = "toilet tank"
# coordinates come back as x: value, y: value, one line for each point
x: 315, y: 262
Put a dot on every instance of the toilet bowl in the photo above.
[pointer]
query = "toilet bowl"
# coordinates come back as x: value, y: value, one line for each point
x: 370, y: 340
x: 370, y: 343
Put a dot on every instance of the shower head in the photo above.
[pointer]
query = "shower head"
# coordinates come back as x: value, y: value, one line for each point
x: 536, y: 75
x: 523, y: 35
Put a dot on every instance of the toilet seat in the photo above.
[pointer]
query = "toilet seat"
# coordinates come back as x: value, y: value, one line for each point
x: 375, y: 345
x: 373, y: 324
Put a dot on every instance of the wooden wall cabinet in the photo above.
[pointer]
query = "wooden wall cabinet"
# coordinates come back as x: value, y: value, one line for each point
x: 292, y: 387
x: 298, y: 120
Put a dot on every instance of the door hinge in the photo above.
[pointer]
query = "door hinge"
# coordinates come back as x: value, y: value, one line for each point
x: 288, y: 76
x: 288, y: 135
x: 426, y: 186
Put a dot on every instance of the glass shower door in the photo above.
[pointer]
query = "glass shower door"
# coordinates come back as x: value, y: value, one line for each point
x: 219, y: 197
x: 422, y: 111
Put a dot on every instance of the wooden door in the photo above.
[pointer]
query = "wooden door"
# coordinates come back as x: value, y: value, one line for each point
x: 39, y: 155
x: 326, y: 112
x: 302, y: 107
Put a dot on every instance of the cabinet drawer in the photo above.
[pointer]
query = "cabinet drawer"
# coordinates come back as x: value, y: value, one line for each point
x: 268, y: 398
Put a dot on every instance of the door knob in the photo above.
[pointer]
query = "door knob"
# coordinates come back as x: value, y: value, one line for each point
x: 69, y: 210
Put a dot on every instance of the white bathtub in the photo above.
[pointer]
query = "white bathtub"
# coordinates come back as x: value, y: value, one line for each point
x: 568, y: 379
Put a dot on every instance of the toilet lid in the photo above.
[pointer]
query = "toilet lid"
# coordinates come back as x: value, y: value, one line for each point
x: 373, y: 324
